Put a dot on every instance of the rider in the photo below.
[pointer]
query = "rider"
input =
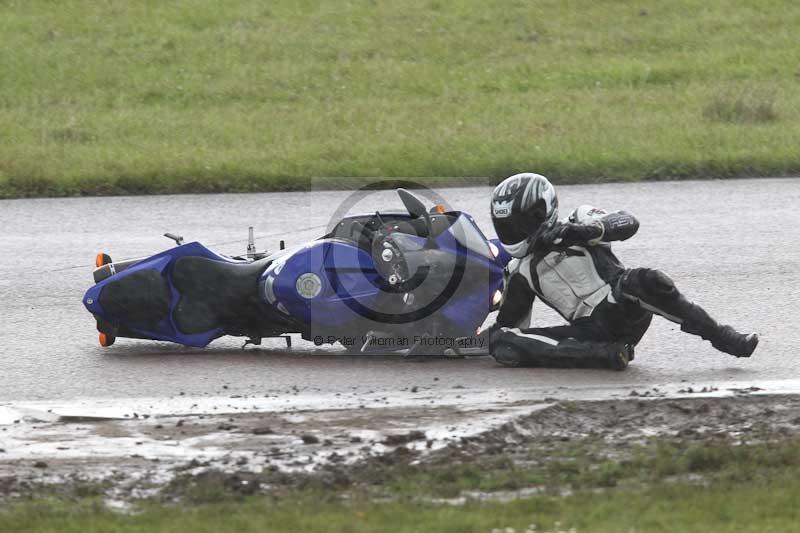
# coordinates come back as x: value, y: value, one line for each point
x: 570, y: 266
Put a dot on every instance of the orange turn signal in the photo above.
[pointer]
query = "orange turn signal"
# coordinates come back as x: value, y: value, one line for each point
x: 440, y: 209
x: 104, y: 340
x: 99, y: 260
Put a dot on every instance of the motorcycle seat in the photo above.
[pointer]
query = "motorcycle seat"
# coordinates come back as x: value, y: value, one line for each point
x: 140, y: 299
x: 215, y: 294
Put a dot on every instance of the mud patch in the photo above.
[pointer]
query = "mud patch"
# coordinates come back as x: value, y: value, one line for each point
x: 205, y: 457
x: 137, y: 457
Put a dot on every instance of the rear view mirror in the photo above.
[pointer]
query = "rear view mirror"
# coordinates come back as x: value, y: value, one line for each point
x: 413, y: 205
x: 416, y: 208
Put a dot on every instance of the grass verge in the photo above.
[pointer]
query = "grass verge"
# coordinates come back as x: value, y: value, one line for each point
x: 666, y: 484
x: 201, y: 96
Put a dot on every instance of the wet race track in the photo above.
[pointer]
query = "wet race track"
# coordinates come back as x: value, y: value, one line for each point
x: 729, y: 245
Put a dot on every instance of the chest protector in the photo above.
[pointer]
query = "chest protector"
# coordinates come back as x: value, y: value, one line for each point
x: 567, y: 281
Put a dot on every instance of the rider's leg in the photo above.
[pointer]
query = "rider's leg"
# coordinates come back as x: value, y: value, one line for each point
x: 557, y: 346
x: 655, y: 291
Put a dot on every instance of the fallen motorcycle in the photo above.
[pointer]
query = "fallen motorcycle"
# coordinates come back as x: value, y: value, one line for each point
x: 393, y: 280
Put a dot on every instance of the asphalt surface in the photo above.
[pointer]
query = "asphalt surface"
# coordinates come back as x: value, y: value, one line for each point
x: 729, y: 245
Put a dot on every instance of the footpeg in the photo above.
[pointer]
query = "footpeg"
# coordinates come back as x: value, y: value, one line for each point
x: 177, y: 238
x: 255, y: 342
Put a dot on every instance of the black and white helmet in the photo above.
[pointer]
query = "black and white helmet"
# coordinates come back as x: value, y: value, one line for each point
x: 522, y: 205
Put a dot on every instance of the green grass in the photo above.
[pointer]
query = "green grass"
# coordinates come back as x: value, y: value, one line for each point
x: 758, y: 506
x: 588, y: 465
x: 737, y: 487
x: 199, y: 95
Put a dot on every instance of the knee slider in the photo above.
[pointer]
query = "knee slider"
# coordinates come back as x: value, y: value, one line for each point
x: 657, y: 283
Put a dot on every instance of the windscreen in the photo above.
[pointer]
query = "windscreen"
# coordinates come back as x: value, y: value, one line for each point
x: 468, y: 235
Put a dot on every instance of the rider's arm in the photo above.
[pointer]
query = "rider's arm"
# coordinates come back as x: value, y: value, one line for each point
x: 615, y: 226
x: 516, y: 304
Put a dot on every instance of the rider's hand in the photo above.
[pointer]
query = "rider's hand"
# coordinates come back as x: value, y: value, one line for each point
x: 487, y: 333
x: 545, y: 239
x: 568, y: 234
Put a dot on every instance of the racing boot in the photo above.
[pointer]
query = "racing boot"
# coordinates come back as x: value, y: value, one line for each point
x: 723, y: 338
x: 732, y: 342
x: 508, y: 355
x: 621, y: 357
x: 519, y: 350
x: 655, y: 291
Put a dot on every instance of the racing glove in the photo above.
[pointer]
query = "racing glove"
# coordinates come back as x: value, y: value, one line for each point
x: 567, y: 234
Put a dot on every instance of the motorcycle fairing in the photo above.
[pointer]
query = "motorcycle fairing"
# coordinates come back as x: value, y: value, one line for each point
x: 341, y: 267
x: 482, y: 277
x: 350, y: 281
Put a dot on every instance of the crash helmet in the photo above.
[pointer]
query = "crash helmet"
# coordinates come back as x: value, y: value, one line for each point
x: 523, y: 205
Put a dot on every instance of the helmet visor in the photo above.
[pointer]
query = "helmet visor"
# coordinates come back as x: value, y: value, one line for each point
x: 519, y: 226
x: 509, y: 230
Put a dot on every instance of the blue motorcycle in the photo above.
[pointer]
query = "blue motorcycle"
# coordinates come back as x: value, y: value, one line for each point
x: 414, y: 281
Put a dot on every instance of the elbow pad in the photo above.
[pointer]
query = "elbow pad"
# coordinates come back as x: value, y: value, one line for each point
x: 617, y: 226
